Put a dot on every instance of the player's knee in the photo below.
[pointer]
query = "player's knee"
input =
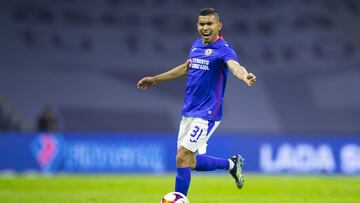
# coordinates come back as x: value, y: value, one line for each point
x: 180, y: 160
x: 185, y: 158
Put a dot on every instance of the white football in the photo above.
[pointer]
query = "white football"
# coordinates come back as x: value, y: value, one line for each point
x: 174, y: 197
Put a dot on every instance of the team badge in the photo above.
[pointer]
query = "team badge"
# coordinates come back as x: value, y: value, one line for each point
x: 208, y: 52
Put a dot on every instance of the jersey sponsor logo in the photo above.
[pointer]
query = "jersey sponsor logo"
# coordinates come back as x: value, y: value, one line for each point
x: 200, y: 64
x: 208, y: 52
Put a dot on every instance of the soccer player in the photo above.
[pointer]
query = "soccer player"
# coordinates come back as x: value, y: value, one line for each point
x: 207, y: 67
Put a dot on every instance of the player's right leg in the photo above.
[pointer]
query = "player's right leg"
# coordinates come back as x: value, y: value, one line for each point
x: 185, y: 159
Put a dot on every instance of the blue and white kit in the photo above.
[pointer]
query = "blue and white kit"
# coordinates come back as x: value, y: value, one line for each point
x: 205, y: 88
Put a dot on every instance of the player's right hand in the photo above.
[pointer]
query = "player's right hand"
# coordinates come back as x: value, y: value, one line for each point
x: 146, y: 83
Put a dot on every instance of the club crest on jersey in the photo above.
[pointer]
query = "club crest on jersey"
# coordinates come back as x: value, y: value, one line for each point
x: 208, y: 52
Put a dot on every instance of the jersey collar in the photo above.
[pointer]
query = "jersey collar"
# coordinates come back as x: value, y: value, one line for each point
x: 213, y: 44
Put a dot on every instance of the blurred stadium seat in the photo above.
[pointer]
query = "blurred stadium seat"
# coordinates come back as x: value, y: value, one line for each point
x: 85, y: 57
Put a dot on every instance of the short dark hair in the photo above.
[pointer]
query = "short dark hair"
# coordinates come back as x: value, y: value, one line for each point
x: 208, y: 11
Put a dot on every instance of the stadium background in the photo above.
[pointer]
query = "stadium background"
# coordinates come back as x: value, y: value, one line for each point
x: 84, y: 57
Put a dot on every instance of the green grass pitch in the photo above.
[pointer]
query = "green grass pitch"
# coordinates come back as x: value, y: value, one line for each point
x: 203, y: 189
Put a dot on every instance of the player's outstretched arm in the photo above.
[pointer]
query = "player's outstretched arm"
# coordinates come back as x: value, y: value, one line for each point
x: 176, y: 72
x: 241, y: 73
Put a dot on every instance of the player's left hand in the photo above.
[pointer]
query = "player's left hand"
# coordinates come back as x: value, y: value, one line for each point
x: 250, y: 79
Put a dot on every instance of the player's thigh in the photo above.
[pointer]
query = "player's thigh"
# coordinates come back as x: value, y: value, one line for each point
x: 184, y: 128
x: 212, y: 126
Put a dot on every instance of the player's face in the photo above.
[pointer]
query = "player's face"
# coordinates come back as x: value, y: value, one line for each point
x: 208, y: 28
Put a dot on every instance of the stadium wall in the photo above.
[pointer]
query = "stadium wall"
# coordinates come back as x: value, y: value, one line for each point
x: 155, y: 153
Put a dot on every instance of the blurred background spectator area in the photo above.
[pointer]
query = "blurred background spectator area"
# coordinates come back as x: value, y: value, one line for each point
x: 84, y: 57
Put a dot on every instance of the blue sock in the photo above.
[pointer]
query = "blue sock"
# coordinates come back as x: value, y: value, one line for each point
x: 210, y: 163
x: 182, y: 181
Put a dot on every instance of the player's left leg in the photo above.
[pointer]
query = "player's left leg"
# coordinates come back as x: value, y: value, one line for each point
x: 193, y: 136
x: 236, y: 172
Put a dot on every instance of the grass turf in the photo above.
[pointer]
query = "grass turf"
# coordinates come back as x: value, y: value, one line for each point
x: 203, y: 189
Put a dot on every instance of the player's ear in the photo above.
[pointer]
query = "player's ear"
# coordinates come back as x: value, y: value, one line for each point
x: 220, y: 25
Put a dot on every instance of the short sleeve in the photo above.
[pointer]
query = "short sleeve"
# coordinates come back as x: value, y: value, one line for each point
x: 193, y: 46
x: 228, y: 53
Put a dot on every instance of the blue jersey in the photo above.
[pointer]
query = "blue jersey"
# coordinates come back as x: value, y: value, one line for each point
x: 207, y: 75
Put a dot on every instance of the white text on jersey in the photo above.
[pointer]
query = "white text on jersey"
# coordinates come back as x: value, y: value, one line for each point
x: 199, y: 64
